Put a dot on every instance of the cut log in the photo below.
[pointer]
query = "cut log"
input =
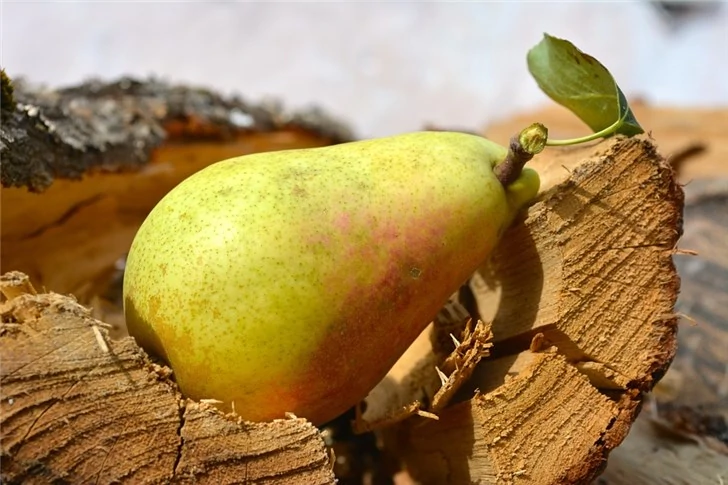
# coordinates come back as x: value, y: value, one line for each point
x: 589, y: 275
x: 78, y: 407
x: 681, y: 437
x: 103, y: 154
x: 675, y: 438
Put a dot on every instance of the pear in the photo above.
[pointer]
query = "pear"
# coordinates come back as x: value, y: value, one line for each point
x: 292, y: 281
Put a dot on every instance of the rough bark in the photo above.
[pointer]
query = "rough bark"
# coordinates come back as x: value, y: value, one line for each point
x: 116, y: 126
x: 103, y: 154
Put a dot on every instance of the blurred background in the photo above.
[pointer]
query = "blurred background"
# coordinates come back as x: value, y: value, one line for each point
x: 383, y: 67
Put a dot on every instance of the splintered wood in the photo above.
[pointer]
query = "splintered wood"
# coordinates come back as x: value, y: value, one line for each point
x: 14, y: 284
x: 546, y: 414
x: 428, y: 375
x: 74, y: 413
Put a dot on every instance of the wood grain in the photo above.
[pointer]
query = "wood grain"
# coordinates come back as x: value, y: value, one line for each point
x: 75, y: 409
x: 546, y: 414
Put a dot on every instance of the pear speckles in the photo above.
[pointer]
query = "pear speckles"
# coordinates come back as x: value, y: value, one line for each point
x: 224, y: 192
x: 293, y: 280
x: 299, y: 191
x: 415, y: 273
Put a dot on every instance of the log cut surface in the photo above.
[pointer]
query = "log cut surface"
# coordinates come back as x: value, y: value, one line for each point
x: 681, y: 436
x: 78, y: 407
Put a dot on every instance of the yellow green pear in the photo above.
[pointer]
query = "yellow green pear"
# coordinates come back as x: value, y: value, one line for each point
x: 292, y: 281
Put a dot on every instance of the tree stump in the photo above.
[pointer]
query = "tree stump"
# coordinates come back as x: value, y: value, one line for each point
x: 572, y: 323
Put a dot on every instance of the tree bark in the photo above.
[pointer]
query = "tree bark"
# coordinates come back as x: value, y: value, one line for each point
x: 116, y: 126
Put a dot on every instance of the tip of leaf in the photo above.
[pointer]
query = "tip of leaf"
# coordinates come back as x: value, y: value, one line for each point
x: 580, y: 83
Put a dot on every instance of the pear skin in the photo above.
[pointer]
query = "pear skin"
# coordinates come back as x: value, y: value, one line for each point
x: 292, y: 281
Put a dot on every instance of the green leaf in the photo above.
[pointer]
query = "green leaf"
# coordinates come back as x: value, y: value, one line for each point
x: 582, y: 84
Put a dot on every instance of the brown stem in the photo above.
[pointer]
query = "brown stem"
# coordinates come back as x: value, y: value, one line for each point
x: 522, y: 148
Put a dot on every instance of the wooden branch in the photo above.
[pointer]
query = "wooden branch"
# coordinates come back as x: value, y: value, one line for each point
x: 77, y: 411
x: 103, y: 154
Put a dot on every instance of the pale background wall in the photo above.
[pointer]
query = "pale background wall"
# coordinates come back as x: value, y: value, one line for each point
x: 384, y: 67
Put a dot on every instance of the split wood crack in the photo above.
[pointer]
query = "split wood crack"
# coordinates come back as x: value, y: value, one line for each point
x: 551, y: 336
x: 180, y: 447
x: 64, y: 218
